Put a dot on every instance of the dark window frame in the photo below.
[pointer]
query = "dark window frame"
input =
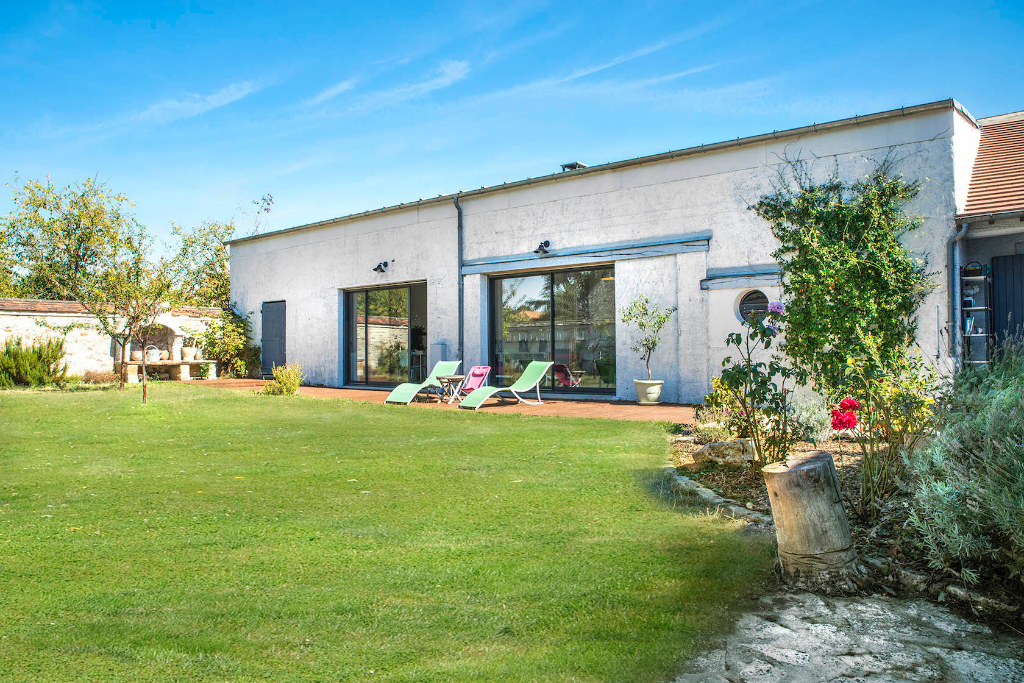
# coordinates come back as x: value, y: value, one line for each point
x: 350, y: 327
x: 759, y: 308
x: 549, y: 386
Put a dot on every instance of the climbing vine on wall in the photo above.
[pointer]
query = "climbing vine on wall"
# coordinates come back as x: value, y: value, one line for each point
x: 849, y: 282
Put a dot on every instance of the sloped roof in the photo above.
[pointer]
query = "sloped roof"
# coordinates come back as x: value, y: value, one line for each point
x: 858, y: 120
x: 41, y: 306
x: 997, y: 180
x: 46, y: 306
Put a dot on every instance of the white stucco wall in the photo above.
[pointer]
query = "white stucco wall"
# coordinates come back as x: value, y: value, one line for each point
x: 308, y: 269
x: 966, y: 138
x: 703, y: 192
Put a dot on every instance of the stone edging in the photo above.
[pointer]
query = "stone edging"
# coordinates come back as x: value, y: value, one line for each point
x: 938, y: 589
x: 726, y: 507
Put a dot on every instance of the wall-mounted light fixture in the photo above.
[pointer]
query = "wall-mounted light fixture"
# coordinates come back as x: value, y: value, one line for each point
x: 381, y: 267
x: 542, y: 248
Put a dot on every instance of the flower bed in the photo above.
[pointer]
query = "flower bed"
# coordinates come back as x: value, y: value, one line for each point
x: 888, y: 544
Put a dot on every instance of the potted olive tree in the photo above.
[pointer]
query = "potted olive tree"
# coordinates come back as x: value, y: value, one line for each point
x: 649, y: 319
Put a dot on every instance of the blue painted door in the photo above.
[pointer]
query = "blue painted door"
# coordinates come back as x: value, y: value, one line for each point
x: 273, y: 335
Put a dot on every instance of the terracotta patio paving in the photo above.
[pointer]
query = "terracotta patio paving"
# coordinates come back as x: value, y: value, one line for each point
x: 561, y: 407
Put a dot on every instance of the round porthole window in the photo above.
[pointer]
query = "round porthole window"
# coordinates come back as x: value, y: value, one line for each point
x: 753, y: 303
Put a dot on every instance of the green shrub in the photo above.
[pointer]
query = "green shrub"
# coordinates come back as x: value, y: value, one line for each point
x: 226, y: 341
x: 896, y: 395
x: 814, y: 418
x: 968, y: 486
x: 710, y: 433
x: 722, y: 408
x: 287, y: 379
x: 760, y: 387
x: 38, y: 365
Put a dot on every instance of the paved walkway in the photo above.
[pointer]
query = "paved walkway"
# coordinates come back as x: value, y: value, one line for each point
x: 612, y: 410
x: 804, y: 638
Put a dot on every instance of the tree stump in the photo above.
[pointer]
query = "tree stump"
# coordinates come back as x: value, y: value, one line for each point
x: 815, y: 548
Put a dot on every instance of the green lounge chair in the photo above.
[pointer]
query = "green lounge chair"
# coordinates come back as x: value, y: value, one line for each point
x: 531, y: 378
x: 405, y: 393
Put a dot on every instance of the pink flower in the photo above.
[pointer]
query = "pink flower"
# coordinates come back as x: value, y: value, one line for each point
x: 776, y: 307
x: 843, y: 420
x: 849, y: 403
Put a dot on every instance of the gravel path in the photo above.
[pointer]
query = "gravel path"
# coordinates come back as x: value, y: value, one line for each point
x: 798, y: 637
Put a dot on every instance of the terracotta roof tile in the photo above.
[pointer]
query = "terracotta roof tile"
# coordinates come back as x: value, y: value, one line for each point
x: 46, y: 306
x: 41, y: 306
x: 997, y: 180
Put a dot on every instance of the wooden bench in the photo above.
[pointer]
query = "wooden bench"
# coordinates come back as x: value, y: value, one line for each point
x: 179, y: 370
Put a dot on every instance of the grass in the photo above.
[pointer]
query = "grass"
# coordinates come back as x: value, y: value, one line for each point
x: 214, y: 536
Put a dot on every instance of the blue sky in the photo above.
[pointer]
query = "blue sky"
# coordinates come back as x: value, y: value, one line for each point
x: 194, y: 109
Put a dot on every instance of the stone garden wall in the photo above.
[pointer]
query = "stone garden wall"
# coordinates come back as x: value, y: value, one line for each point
x: 86, y: 347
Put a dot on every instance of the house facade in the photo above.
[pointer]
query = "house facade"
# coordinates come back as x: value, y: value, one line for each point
x: 542, y: 268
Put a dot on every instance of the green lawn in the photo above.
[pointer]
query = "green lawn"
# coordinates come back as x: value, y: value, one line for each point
x: 220, y: 536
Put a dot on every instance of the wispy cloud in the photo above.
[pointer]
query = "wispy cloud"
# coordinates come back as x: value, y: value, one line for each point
x: 551, y: 84
x: 674, y: 39
x: 160, y: 112
x: 191, y: 105
x: 528, y: 41
x: 331, y: 92
x: 447, y: 74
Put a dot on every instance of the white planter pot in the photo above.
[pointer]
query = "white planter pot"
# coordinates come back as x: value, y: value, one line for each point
x: 648, y: 391
x: 136, y: 356
x: 188, y: 352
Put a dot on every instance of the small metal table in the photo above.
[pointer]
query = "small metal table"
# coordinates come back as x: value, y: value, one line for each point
x: 450, y: 385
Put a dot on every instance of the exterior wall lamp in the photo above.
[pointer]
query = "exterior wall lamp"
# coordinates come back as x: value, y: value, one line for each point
x: 381, y: 267
x: 542, y: 248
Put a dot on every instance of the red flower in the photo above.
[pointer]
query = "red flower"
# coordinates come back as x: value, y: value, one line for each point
x: 841, y: 420
x: 849, y: 403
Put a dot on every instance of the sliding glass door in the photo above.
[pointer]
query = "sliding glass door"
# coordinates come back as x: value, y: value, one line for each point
x: 567, y: 317
x: 387, y: 335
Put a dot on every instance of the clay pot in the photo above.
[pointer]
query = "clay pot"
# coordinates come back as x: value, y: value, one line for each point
x: 137, y: 356
x: 164, y: 355
x: 188, y: 352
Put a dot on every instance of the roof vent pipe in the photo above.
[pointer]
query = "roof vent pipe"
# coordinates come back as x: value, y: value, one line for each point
x: 462, y: 299
x: 953, y: 286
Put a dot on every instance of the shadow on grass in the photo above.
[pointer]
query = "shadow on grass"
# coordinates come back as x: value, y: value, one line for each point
x: 656, y: 483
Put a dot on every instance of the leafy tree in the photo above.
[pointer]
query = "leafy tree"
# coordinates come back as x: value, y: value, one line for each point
x: 147, y: 291
x: 649, y: 319
x: 82, y: 243
x: 205, y: 266
x: 61, y: 240
x: 845, y: 273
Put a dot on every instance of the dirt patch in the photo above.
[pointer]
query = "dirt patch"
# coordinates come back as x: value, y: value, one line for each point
x: 746, y: 484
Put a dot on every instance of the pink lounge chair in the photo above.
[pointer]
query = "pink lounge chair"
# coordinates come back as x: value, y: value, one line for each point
x: 564, y: 376
x: 476, y: 378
